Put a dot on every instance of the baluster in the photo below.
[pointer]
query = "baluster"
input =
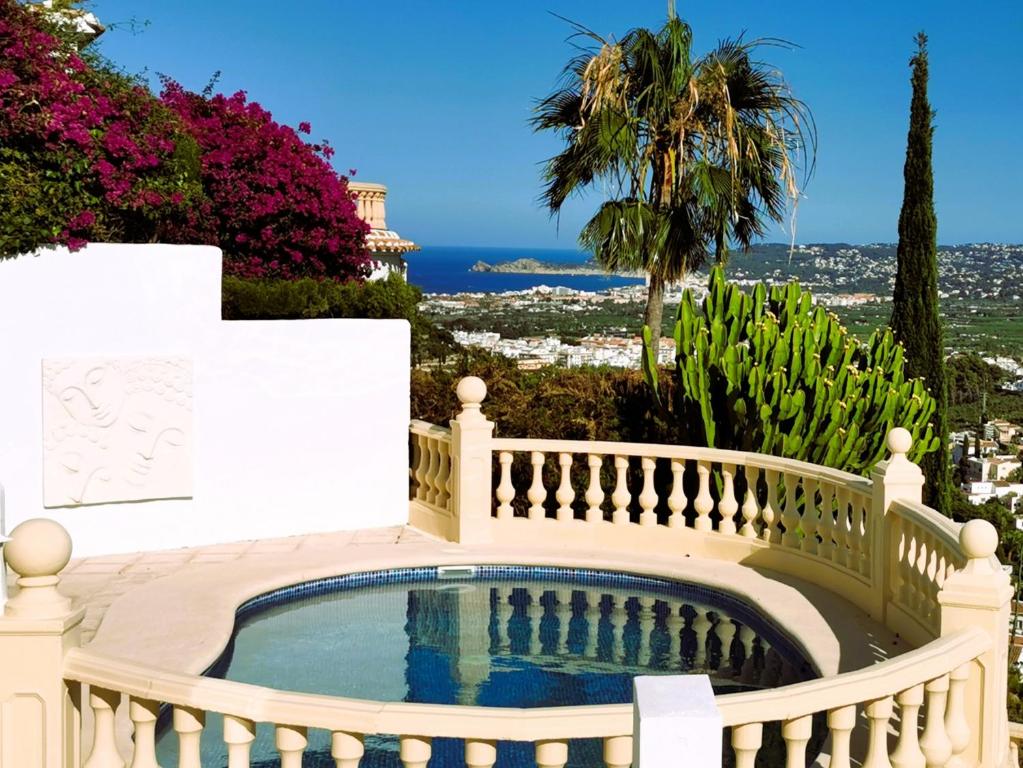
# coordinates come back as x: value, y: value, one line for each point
x: 414, y: 751
x: 726, y: 634
x: 431, y: 471
x: 534, y: 612
x: 617, y: 751
x: 413, y: 470
x: 291, y: 741
x: 104, y: 741
x: 505, y: 610
x: 537, y: 494
x: 923, y: 555
x: 856, y: 549
x: 769, y: 513
x: 592, y: 616
x: 480, y: 753
x: 646, y: 626
x: 648, y: 496
x: 896, y: 557
x: 677, y: 499
x: 907, y: 567
x: 810, y: 513
x: 750, y: 508
x: 878, y: 712
x: 746, y: 638
x: 618, y: 618
x: 796, y: 733
x: 188, y: 723
x: 842, y: 526
x: 841, y: 722
x: 956, y: 725
x: 701, y: 626
x: 703, y: 503
x: 621, y: 496
x: 594, y: 494
x: 930, y: 593
x: 444, y: 475
x: 423, y: 452
x: 239, y: 734
x: 865, y: 535
x: 505, y: 489
x: 143, y: 713
x: 908, y: 754
x: 565, y: 495
x: 746, y: 741
x: 934, y: 741
x: 789, y: 513
x: 826, y: 524
x: 346, y: 748
x: 564, y: 614
x: 728, y: 505
x: 551, y: 753
x: 674, y: 624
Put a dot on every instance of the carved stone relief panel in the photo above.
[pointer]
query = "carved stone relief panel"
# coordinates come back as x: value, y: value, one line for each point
x: 116, y: 430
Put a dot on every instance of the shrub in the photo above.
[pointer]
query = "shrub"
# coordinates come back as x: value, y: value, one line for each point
x: 772, y: 373
x: 85, y: 153
x: 277, y: 207
x: 554, y: 403
x: 245, y: 299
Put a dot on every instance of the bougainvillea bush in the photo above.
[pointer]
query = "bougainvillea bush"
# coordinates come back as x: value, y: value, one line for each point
x: 88, y: 154
x: 85, y: 154
x: 278, y: 207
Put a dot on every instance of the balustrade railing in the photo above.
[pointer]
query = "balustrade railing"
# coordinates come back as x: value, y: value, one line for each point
x: 430, y: 477
x: 931, y: 681
x: 804, y: 507
x: 870, y: 541
x: 924, y: 552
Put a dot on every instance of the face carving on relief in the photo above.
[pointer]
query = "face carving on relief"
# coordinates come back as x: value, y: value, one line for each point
x: 93, y: 399
x: 150, y: 438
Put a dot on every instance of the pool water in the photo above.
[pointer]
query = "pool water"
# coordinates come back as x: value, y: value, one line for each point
x: 502, y: 636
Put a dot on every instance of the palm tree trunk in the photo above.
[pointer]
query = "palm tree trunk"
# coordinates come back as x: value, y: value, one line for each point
x: 654, y: 311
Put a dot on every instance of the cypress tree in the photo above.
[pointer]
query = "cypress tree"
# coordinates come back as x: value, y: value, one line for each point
x: 915, y: 319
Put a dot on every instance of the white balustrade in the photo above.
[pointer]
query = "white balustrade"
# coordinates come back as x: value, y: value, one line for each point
x: 346, y: 748
x: 565, y: 495
x: 104, y: 752
x: 594, y: 492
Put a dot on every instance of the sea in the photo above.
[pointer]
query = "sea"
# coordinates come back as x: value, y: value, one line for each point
x: 446, y: 269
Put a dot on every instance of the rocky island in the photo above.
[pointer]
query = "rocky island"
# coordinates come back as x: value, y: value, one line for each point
x: 535, y: 267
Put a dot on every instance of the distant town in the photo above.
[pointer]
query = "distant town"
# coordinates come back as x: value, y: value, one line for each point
x: 981, y: 288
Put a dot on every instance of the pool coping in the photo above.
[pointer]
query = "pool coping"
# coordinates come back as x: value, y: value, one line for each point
x: 179, y: 623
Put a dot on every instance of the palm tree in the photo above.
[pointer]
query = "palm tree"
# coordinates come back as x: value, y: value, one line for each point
x: 693, y: 154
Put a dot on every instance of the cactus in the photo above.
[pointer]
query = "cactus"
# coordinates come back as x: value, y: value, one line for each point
x: 774, y: 373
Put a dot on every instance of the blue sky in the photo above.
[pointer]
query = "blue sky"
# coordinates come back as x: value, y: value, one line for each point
x: 433, y: 99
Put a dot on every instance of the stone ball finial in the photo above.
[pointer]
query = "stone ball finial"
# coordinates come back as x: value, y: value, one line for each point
x: 471, y: 390
x: 899, y: 441
x: 38, y: 548
x: 979, y: 539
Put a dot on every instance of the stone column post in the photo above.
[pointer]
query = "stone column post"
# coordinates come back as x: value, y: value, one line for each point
x: 895, y: 479
x: 979, y: 595
x: 471, y: 481
x: 40, y: 715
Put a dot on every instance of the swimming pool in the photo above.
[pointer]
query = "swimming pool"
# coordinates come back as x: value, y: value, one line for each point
x: 508, y: 636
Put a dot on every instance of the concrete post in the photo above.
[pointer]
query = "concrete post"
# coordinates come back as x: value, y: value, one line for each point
x: 894, y: 479
x: 471, y: 482
x: 675, y: 722
x: 40, y: 715
x: 979, y: 596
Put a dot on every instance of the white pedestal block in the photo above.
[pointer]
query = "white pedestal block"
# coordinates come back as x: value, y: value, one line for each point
x: 676, y: 722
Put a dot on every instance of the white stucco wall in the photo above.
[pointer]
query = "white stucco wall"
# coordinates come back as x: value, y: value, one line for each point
x: 298, y: 426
